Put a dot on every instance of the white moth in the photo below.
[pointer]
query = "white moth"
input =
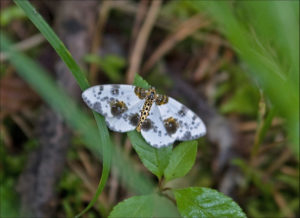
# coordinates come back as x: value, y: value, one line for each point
x: 160, y: 119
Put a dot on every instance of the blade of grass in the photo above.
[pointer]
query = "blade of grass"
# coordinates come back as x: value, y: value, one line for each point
x: 65, y: 55
x: 106, y: 158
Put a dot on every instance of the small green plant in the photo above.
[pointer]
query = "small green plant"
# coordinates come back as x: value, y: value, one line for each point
x: 167, y: 164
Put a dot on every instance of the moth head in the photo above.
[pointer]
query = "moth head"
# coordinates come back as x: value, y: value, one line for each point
x: 152, y: 93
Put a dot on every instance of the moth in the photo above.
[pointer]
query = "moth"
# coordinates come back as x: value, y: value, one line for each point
x: 160, y: 119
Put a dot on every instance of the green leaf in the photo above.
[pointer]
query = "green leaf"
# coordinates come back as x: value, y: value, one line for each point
x: 181, y: 161
x: 9, y: 14
x: 152, y: 205
x: 206, y: 202
x: 154, y: 159
x: 140, y: 82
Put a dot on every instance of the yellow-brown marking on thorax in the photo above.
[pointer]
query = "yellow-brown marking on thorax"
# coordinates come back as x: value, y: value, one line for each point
x: 150, y: 99
x: 140, y: 92
x: 161, y: 99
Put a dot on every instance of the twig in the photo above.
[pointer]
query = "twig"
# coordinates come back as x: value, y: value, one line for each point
x: 140, y: 14
x: 138, y: 50
x: 270, y: 146
x: 127, y: 146
x: 282, y: 204
x: 226, y: 58
x: 23, y: 125
x: 114, y: 185
x: 92, y: 187
x: 250, y: 126
x: 86, y: 162
x: 170, y: 198
x: 5, y: 136
x: 97, y: 37
x: 290, y: 171
x: 184, y: 30
x: 285, y: 155
x: 24, y: 45
x: 206, y: 63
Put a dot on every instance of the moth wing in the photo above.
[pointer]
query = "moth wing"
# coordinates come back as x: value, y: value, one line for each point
x: 126, y: 121
x: 156, y: 134
x: 190, y: 126
x: 99, y: 97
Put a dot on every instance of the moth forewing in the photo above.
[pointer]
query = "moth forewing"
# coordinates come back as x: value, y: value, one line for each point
x: 107, y: 99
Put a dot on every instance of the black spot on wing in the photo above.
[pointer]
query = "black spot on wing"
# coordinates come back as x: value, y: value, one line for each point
x: 117, y: 108
x: 134, y: 119
x: 115, y: 90
x: 171, y: 125
x: 87, y: 101
x: 182, y: 112
x: 187, y: 136
x: 104, y: 98
x: 100, y: 90
x: 147, y: 125
x: 97, y: 107
x: 94, y: 92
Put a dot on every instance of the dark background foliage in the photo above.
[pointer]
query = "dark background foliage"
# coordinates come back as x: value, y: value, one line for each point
x: 235, y: 63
